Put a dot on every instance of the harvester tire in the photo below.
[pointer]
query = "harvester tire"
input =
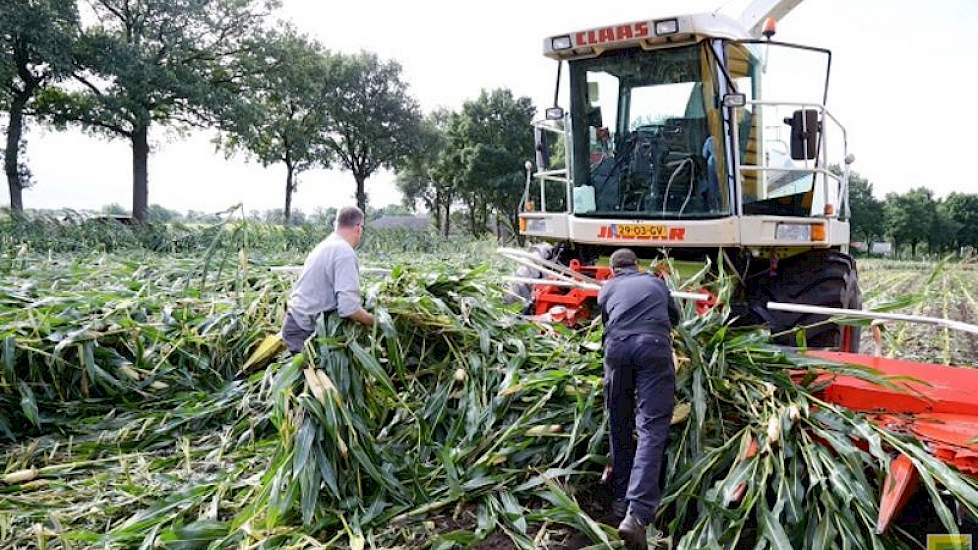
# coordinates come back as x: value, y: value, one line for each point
x: 819, y: 277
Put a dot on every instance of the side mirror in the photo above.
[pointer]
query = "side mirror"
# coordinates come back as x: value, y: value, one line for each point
x: 804, y: 134
x: 555, y: 113
x: 734, y: 100
x: 542, y: 147
x: 594, y: 117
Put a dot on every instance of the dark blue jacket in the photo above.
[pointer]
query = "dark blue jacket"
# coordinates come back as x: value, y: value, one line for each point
x: 633, y: 302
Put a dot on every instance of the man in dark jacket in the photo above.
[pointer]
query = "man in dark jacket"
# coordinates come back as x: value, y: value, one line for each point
x: 638, y: 315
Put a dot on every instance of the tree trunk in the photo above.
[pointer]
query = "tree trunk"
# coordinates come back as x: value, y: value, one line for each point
x: 448, y: 217
x: 140, y: 163
x: 361, y: 193
x: 472, y: 224
x: 11, y: 160
x: 288, y: 192
x: 434, y: 209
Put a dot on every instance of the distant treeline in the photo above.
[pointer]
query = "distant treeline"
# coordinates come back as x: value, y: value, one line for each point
x: 914, y: 221
x: 21, y: 236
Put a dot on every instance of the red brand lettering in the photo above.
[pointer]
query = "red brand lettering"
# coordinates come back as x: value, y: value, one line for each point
x: 677, y: 233
x: 612, y: 34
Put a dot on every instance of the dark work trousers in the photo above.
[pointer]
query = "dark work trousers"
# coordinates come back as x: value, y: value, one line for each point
x: 294, y: 336
x: 639, y: 385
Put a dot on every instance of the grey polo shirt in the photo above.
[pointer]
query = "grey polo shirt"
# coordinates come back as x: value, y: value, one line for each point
x: 330, y: 281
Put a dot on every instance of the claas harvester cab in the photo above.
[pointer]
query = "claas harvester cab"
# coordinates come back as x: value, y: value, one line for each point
x: 696, y: 137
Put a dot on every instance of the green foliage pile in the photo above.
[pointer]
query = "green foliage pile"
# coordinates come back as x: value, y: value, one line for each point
x: 451, y: 420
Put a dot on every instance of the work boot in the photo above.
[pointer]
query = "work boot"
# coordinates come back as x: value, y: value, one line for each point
x: 632, y: 531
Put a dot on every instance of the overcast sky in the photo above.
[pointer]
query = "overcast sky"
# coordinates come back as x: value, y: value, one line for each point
x: 903, y: 82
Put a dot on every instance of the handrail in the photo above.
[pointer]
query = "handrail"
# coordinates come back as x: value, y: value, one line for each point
x: 841, y: 180
x: 876, y: 315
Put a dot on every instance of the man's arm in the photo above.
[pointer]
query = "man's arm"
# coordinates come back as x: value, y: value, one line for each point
x: 346, y: 284
x: 603, y: 301
x: 363, y: 317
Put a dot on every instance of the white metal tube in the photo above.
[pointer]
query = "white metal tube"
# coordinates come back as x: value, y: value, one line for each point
x: 551, y: 282
x: 862, y: 314
x: 695, y: 296
x: 544, y: 269
x: 514, y: 253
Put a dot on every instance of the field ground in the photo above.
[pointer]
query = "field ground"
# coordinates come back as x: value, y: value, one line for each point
x: 947, y: 290
x: 200, y: 446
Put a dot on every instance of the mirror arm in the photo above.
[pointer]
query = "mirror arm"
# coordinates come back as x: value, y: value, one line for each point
x: 557, y: 87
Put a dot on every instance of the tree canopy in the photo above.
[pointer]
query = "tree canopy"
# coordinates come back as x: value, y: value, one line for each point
x: 36, y: 39
x: 156, y: 62
x: 489, y: 142
x: 375, y: 122
x: 283, y: 116
x: 866, y: 219
x: 427, y: 175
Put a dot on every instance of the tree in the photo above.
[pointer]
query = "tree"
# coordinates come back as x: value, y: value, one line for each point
x: 114, y: 209
x: 284, y: 108
x: 494, y: 132
x: 389, y: 210
x: 156, y: 62
x: 427, y: 176
x: 35, y: 50
x: 942, y: 234
x: 374, y: 121
x: 323, y: 217
x: 866, y: 211
x: 160, y: 214
x: 910, y: 216
x: 962, y: 208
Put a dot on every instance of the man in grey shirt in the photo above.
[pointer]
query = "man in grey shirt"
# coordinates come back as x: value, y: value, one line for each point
x: 330, y: 281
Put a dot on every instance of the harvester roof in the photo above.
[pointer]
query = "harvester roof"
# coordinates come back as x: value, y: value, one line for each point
x: 649, y: 33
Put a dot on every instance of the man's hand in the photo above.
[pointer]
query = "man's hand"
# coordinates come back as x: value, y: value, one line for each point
x: 363, y: 317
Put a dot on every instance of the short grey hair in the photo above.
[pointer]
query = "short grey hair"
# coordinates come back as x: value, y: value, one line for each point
x: 349, y: 216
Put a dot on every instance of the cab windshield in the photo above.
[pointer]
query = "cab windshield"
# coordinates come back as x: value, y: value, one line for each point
x: 647, y: 139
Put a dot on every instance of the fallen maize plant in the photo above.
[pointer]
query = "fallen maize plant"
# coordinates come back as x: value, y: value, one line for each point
x: 132, y: 418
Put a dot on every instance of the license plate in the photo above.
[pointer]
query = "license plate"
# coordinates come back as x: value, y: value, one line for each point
x: 642, y: 231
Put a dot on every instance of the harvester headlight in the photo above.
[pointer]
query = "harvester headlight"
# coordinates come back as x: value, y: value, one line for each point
x: 793, y: 232
x: 666, y: 26
x: 561, y: 42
